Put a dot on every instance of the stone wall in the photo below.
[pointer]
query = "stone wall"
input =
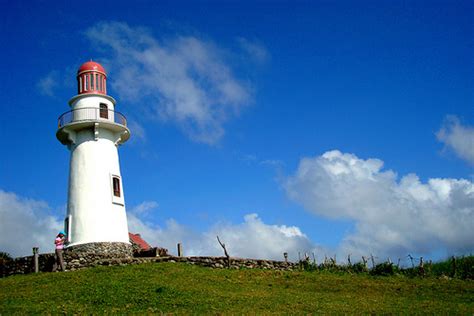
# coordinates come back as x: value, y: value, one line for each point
x: 235, y: 263
x: 25, y: 265
x: 107, y: 249
x: 152, y: 252
x: 77, y: 260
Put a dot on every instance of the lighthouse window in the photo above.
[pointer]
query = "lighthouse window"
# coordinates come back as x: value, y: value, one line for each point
x: 104, y: 112
x: 91, y: 81
x: 116, y: 186
x: 100, y: 83
x: 86, y: 82
x: 96, y: 82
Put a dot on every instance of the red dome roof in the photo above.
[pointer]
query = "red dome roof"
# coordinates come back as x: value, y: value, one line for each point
x: 91, y: 66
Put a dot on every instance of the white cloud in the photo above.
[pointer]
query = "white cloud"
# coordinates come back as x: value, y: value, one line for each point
x: 392, y: 218
x: 251, y: 239
x: 458, y: 137
x: 255, y: 49
x: 248, y: 158
x: 48, y: 84
x: 183, y: 79
x: 137, y: 131
x: 272, y: 162
x: 26, y: 223
x: 144, y: 207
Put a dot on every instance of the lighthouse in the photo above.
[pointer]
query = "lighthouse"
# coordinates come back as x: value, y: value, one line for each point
x: 92, y: 130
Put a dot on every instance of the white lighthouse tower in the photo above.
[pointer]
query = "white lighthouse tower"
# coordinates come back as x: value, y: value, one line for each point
x: 92, y: 130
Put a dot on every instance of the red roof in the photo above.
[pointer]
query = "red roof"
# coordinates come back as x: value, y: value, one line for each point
x: 91, y: 66
x: 138, y: 240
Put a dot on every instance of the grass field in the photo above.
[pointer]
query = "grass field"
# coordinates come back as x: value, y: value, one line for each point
x: 181, y: 288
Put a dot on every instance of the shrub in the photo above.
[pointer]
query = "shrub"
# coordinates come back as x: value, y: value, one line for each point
x: 4, y: 259
x: 384, y: 269
x: 5, y: 256
x: 359, y: 267
x: 463, y: 268
x: 308, y: 266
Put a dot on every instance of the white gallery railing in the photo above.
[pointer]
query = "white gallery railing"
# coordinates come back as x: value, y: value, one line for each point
x: 91, y: 114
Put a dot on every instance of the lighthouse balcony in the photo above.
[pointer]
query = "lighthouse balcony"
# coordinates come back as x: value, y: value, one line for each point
x: 84, y: 118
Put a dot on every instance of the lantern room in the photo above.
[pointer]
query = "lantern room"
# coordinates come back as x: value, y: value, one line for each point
x: 91, y: 78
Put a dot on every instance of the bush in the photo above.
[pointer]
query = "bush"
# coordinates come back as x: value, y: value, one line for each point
x: 359, y: 267
x: 464, y: 268
x: 384, y: 269
x: 306, y: 265
x: 5, y: 257
x: 411, y: 272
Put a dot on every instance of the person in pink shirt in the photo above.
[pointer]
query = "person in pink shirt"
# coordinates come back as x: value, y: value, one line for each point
x: 58, y: 258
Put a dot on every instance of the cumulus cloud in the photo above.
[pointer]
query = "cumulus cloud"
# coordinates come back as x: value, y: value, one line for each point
x: 137, y: 130
x: 183, y: 79
x: 254, y: 49
x: 250, y: 239
x: 26, y: 223
x: 144, y: 207
x: 248, y: 158
x: 48, y: 84
x: 392, y: 217
x: 458, y: 137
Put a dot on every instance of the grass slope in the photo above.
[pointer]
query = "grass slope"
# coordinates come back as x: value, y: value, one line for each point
x: 181, y: 288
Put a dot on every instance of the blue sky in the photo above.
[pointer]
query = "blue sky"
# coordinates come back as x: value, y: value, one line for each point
x: 282, y: 109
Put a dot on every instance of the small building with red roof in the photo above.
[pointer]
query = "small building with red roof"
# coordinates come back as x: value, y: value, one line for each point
x: 138, y: 242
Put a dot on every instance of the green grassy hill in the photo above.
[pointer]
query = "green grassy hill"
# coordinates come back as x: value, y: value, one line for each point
x: 182, y: 288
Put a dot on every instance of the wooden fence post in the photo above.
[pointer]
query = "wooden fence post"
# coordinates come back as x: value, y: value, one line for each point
x: 36, y: 259
x: 411, y: 259
x: 180, y: 250
x: 422, y: 267
x: 364, y: 259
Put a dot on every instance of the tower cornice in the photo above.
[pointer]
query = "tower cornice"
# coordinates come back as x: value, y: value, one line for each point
x: 83, y: 96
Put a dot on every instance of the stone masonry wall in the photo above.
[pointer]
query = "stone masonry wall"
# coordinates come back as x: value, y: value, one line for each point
x: 75, y: 261
x: 105, y: 249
